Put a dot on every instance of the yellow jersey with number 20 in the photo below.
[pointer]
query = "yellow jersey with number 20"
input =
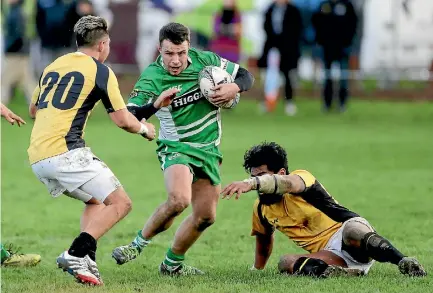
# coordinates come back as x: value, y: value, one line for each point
x: 68, y: 91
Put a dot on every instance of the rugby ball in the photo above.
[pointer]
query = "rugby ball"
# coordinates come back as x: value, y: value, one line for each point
x: 209, y: 77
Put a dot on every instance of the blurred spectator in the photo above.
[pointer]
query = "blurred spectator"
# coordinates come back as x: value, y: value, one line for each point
x: 272, y: 80
x: 430, y: 90
x: 335, y: 25
x: 102, y: 9
x: 152, y: 15
x: 309, y: 46
x: 199, y: 40
x: 227, y: 32
x: 355, y: 52
x: 55, y: 20
x: 283, y: 28
x: 123, y: 42
x: 16, y: 67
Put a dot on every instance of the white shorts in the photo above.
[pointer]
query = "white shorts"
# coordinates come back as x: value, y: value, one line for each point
x: 78, y: 174
x: 334, y: 245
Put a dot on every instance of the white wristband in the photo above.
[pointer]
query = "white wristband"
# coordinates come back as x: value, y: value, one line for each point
x: 143, y: 129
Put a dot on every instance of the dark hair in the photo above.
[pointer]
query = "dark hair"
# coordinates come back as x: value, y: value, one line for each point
x: 89, y: 30
x: 270, y: 154
x: 174, y: 32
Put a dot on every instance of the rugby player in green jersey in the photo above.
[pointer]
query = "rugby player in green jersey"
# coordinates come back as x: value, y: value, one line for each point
x: 190, y: 133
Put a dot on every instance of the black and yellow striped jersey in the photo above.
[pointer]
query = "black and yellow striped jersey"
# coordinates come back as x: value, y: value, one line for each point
x: 68, y: 91
x: 309, y: 218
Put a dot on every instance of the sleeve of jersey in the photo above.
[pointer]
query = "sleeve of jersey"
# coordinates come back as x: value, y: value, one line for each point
x: 211, y: 58
x: 112, y: 98
x: 306, y: 176
x: 257, y: 227
x: 143, y: 93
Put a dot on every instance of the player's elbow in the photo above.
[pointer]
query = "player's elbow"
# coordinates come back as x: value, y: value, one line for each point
x: 122, y: 123
x: 244, y: 79
x: 121, y: 119
x: 251, y: 79
x: 32, y: 111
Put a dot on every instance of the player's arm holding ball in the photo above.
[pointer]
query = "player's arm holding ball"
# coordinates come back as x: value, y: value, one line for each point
x: 243, y: 79
x: 227, y: 91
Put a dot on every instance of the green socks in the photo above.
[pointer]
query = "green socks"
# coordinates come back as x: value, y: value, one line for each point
x: 173, y: 261
x: 140, y: 242
x: 4, y: 254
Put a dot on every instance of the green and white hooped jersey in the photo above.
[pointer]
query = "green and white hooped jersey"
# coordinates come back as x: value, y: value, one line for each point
x: 190, y: 118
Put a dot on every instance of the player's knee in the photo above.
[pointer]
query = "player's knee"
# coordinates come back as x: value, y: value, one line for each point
x: 123, y: 207
x: 285, y: 265
x: 127, y: 205
x: 354, y: 231
x: 204, y: 222
x: 121, y: 202
x: 177, y: 203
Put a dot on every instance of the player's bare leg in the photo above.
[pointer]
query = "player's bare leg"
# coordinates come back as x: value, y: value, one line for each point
x: 322, y: 264
x: 178, y: 180
x: 204, y: 205
x: 360, y: 238
x: 91, y: 208
x: 79, y: 260
x: 116, y: 206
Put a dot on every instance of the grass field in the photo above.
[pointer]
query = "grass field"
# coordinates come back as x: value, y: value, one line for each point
x: 376, y: 159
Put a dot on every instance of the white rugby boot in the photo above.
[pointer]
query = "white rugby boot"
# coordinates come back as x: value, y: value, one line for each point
x: 84, y: 269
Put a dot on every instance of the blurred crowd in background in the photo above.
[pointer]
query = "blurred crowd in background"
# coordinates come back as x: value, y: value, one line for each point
x: 285, y: 42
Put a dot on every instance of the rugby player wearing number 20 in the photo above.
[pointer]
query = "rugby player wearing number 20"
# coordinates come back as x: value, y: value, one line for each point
x: 68, y: 90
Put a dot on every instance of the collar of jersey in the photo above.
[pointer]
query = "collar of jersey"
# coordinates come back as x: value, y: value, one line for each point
x: 79, y: 53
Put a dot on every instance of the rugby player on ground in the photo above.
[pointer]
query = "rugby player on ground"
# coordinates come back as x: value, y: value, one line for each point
x: 339, y: 242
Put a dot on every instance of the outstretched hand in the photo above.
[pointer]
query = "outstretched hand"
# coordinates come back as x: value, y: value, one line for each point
x: 237, y: 188
x: 165, y: 98
x: 11, y: 117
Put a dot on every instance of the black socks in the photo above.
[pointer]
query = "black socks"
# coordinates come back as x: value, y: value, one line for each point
x: 83, y: 245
